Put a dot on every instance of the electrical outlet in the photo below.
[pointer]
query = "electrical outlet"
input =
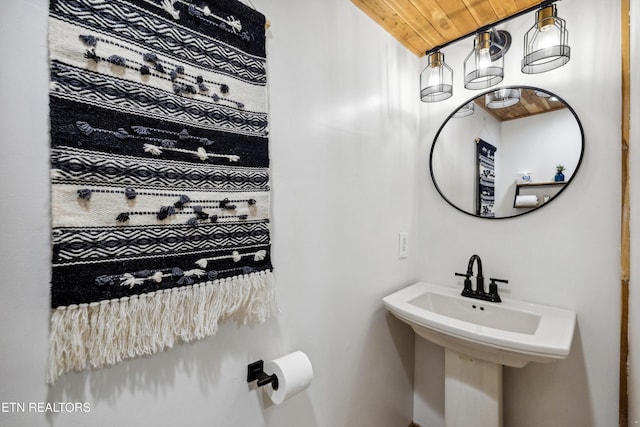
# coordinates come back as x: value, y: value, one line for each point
x: 403, y: 244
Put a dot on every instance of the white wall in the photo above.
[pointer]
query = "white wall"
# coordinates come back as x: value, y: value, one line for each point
x: 344, y: 129
x: 454, y: 157
x: 528, y: 144
x: 566, y: 254
x: 530, y: 149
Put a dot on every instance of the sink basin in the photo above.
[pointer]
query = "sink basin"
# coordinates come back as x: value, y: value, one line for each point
x: 511, y: 333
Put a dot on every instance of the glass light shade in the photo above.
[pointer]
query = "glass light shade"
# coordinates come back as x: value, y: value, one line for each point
x: 466, y: 110
x: 550, y: 97
x: 481, y: 71
x: 502, y: 98
x: 546, y: 44
x: 436, y: 80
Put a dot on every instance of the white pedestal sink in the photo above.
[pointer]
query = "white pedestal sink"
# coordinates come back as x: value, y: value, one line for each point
x: 479, y: 338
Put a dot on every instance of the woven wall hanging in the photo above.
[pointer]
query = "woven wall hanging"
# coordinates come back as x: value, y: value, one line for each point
x: 159, y: 176
x: 486, y: 173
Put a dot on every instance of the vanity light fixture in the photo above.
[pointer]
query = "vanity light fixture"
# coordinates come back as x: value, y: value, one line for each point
x: 545, y: 48
x: 436, y: 80
x: 466, y: 110
x: 546, y: 43
x: 502, y: 98
x: 484, y: 66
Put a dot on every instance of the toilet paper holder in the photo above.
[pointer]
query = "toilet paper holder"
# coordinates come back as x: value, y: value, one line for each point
x: 256, y: 372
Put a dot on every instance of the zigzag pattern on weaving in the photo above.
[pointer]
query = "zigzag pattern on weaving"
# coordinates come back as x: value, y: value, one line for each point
x: 130, y: 97
x: 88, y: 245
x: 74, y: 165
x: 137, y: 24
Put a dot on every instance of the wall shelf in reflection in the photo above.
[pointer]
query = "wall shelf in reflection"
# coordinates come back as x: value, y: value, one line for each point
x: 550, y: 189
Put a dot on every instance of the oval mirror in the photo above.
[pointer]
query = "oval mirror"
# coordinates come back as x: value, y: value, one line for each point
x: 507, y: 152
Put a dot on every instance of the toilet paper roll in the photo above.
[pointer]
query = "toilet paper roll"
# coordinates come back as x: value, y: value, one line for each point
x: 527, y: 201
x: 294, y: 372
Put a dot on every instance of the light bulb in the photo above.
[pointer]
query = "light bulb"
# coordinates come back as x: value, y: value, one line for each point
x: 434, y: 76
x: 547, y: 37
x: 483, y: 59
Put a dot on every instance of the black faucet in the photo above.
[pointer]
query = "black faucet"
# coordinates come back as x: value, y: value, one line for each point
x: 479, y: 292
x: 479, y: 277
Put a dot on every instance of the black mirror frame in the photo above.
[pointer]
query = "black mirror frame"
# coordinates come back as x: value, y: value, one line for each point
x: 435, y: 139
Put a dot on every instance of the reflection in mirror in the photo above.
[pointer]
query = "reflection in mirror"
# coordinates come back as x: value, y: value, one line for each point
x: 507, y: 152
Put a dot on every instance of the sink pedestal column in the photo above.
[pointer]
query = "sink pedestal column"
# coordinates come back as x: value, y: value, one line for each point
x: 472, y: 391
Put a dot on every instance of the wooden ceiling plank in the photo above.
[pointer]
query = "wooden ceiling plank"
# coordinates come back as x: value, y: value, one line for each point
x: 440, y: 20
x: 481, y: 11
x: 528, y: 96
x: 458, y: 15
x: 533, y: 103
x: 504, y: 8
x: 514, y: 113
x: 533, y: 108
x: 525, y: 4
x: 417, y: 21
x: 530, y: 104
x: 421, y: 25
x: 392, y: 23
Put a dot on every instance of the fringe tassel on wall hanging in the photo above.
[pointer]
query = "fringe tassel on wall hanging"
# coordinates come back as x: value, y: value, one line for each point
x: 105, y: 333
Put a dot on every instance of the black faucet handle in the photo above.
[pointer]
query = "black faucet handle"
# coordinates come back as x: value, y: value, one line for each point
x: 466, y: 290
x: 493, y: 289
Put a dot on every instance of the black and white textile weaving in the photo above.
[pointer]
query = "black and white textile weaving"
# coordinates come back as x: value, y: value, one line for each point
x: 159, y: 175
x: 486, y: 179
